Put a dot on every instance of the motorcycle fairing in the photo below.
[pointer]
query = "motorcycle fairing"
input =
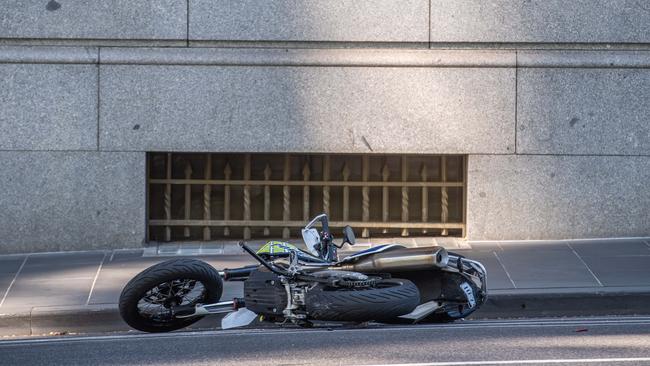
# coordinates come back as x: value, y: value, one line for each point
x: 312, y: 240
x: 282, y: 249
x: 276, y: 247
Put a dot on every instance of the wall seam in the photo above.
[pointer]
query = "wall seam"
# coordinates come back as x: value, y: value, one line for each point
x: 567, y: 155
x: 187, y: 22
x: 429, y: 24
x: 336, y: 57
x: 98, y: 93
x: 352, y: 152
x: 178, y: 42
x: 516, y: 96
x: 147, y: 201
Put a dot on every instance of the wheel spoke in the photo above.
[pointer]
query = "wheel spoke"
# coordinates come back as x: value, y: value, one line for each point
x: 158, y: 302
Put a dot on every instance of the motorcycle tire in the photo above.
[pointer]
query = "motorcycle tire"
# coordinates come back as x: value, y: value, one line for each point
x: 146, y: 302
x: 457, y: 305
x: 388, y: 300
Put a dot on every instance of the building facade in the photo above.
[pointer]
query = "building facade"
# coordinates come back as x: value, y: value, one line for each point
x: 125, y: 122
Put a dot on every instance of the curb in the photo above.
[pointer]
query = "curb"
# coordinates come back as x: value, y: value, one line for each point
x: 60, y: 320
x: 15, y: 322
x: 76, y: 319
x: 564, y: 304
x: 103, y: 318
x: 51, y: 320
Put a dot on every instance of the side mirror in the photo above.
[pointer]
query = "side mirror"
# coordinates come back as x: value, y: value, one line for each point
x: 348, y: 235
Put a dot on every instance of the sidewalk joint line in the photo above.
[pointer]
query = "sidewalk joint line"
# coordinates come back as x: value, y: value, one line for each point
x: 429, y: 25
x: 92, y: 287
x: 112, y: 255
x: 504, y: 269
x: 585, y: 264
x: 13, y: 280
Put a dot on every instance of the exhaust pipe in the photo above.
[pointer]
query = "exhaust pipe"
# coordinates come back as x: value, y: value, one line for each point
x: 413, y: 259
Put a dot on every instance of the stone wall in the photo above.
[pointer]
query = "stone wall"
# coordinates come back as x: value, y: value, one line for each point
x: 540, y: 21
x: 55, y: 200
x: 548, y: 99
x: 558, y: 196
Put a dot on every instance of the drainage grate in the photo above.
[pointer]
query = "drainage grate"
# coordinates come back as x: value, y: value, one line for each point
x: 223, y: 196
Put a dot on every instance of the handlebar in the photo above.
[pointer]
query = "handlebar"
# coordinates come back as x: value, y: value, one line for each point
x: 238, y: 273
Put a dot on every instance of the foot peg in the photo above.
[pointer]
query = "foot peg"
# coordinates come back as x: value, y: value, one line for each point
x: 188, y: 311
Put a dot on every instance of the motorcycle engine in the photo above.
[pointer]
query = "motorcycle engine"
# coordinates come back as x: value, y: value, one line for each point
x: 264, y: 293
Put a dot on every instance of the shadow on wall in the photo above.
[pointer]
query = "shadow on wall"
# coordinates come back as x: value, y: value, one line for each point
x: 310, y: 109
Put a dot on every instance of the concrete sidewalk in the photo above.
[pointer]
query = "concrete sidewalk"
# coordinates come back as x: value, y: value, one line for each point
x: 77, y: 292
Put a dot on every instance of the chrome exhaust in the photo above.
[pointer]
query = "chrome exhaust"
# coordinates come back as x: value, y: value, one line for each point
x: 412, y: 259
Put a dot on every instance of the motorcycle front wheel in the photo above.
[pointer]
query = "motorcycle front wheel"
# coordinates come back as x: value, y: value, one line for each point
x: 147, y: 302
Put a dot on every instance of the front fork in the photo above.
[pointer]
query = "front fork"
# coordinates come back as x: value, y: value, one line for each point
x: 189, y: 311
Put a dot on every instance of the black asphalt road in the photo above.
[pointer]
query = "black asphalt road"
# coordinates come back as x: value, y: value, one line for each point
x: 570, y: 341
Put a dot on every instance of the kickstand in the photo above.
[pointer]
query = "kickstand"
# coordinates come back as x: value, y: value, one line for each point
x: 282, y: 324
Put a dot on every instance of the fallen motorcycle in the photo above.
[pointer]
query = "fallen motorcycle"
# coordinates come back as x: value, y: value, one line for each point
x: 386, y: 283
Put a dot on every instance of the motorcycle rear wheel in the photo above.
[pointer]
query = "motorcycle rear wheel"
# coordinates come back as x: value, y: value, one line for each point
x: 388, y: 300
x: 147, y: 301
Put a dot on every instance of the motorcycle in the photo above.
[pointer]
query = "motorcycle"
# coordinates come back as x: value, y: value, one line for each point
x: 386, y: 283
